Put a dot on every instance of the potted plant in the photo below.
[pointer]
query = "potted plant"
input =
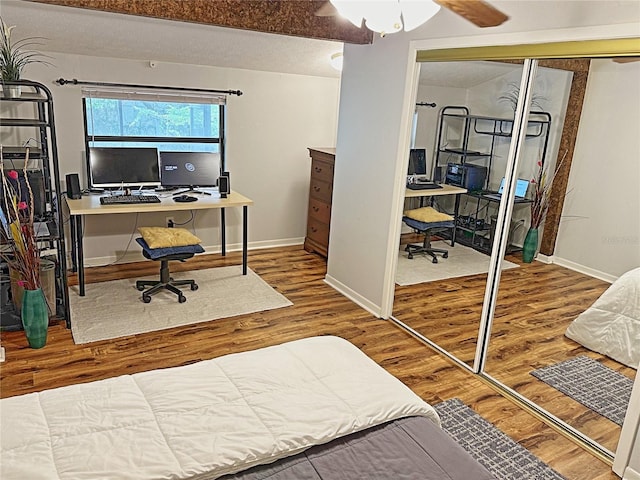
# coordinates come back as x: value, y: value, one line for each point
x: 21, y: 251
x: 542, y: 184
x: 14, y: 56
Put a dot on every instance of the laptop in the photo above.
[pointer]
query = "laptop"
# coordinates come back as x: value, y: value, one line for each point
x: 521, y: 190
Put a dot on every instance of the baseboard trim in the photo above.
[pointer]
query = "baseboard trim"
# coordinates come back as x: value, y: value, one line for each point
x: 353, y: 296
x: 135, y: 254
x: 581, y: 268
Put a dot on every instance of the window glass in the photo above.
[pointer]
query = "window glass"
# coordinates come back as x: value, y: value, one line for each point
x: 139, y: 118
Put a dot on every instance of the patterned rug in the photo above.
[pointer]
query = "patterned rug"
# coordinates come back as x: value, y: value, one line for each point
x: 498, y: 453
x: 594, y: 385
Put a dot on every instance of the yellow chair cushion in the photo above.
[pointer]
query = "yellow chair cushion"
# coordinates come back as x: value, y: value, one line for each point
x: 428, y: 215
x: 163, y: 237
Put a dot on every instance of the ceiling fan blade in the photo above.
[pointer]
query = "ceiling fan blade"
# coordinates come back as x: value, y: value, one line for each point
x: 326, y: 10
x: 478, y: 12
x: 625, y: 59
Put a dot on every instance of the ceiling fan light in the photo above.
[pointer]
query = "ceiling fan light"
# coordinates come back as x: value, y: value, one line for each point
x: 350, y: 10
x: 417, y: 12
x: 382, y: 16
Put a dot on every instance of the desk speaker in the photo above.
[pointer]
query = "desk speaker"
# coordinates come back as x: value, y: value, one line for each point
x: 224, y: 185
x: 73, y: 186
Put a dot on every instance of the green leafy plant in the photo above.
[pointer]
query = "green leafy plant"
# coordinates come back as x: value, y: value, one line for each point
x: 14, y: 56
x: 511, y: 97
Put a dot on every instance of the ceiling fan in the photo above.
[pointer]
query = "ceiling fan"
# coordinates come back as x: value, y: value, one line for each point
x: 478, y: 12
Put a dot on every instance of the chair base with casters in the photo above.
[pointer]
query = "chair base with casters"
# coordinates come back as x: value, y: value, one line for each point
x: 166, y: 281
x: 440, y: 220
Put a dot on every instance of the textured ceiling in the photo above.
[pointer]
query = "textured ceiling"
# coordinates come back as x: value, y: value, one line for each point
x: 297, y: 18
x: 101, y: 34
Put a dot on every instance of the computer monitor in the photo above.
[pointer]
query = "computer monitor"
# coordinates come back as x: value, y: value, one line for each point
x: 417, y: 162
x: 123, y: 167
x: 189, y: 169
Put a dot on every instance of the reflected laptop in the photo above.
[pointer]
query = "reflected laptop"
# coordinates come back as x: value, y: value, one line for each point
x: 521, y: 190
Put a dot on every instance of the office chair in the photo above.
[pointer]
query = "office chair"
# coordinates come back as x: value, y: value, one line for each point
x: 424, y: 220
x: 164, y: 255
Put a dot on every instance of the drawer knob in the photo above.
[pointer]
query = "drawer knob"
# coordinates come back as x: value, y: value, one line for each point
x: 315, y: 209
x: 318, y: 169
x: 314, y: 229
x: 317, y: 189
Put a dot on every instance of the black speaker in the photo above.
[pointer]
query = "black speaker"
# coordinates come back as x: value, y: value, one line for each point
x: 224, y: 184
x: 73, y: 186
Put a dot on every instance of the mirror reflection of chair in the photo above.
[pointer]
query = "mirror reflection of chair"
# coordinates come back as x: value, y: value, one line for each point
x: 425, y: 220
x: 170, y: 244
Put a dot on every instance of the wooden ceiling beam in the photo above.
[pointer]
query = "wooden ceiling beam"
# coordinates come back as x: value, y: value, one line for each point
x: 295, y: 18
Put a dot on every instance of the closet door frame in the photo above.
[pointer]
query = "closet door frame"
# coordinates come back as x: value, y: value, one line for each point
x: 529, y: 53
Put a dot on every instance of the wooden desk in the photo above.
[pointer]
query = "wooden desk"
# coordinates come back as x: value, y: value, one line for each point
x: 445, y: 190
x: 90, y: 205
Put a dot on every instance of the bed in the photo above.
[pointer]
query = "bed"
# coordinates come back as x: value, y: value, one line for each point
x: 316, y: 408
x: 611, y: 326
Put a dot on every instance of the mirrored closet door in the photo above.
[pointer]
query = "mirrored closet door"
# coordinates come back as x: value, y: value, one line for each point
x: 528, y: 350
x: 510, y: 323
x: 462, y: 131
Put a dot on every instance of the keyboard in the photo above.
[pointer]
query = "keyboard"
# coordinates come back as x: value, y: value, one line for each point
x: 423, y: 186
x: 128, y: 199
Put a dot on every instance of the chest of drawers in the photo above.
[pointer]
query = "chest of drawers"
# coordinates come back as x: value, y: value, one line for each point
x: 320, y: 193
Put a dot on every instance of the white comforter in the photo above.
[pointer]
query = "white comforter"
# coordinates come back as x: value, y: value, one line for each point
x: 221, y: 415
x: 611, y: 326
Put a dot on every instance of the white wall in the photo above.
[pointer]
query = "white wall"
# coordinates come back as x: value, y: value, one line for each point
x: 377, y: 94
x: 551, y: 91
x: 600, y: 226
x: 428, y: 116
x: 269, y: 129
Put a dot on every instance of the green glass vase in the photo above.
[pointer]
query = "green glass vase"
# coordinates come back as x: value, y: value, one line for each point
x: 530, y: 245
x: 35, y: 317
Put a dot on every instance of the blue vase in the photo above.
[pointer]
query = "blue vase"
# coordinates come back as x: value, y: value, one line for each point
x: 530, y: 245
x: 35, y: 317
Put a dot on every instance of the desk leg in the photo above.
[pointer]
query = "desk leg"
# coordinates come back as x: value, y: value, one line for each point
x: 455, y: 220
x: 223, y: 232
x: 245, y: 212
x: 80, y: 254
x: 74, y: 253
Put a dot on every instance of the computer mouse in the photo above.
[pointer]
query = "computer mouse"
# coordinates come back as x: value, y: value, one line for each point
x: 184, y: 198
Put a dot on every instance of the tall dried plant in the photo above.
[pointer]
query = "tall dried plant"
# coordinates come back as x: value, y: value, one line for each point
x: 17, y: 229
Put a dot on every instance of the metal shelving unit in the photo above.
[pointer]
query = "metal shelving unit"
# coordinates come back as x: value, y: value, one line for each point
x: 538, y: 126
x: 473, y: 233
x: 33, y: 108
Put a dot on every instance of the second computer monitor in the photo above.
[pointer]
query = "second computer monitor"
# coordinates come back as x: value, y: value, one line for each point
x: 417, y: 162
x: 189, y: 169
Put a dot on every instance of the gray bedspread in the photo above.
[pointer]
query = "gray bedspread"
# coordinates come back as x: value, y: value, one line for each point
x: 409, y: 448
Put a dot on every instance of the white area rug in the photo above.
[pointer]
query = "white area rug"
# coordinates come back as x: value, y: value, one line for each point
x: 115, y: 309
x: 462, y: 261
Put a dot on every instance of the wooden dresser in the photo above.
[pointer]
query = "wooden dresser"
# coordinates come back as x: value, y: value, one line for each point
x: 320, y: 193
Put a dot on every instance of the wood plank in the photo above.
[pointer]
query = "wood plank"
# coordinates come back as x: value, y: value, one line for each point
x: 317, y: 310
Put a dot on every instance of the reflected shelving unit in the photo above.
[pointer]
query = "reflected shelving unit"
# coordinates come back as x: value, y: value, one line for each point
x: 466, y: 159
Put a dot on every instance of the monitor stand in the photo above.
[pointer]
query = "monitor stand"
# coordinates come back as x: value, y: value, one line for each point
x: 192, y: 190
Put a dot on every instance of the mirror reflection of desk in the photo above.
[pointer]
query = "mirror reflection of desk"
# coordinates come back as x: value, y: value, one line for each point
x: 445, y: 189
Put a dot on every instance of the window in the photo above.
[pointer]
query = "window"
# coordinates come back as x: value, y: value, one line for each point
x: 167, y: 120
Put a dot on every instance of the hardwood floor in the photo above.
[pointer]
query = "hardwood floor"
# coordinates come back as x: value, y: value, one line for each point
x: 317, y: 310
x: 535, y: 305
